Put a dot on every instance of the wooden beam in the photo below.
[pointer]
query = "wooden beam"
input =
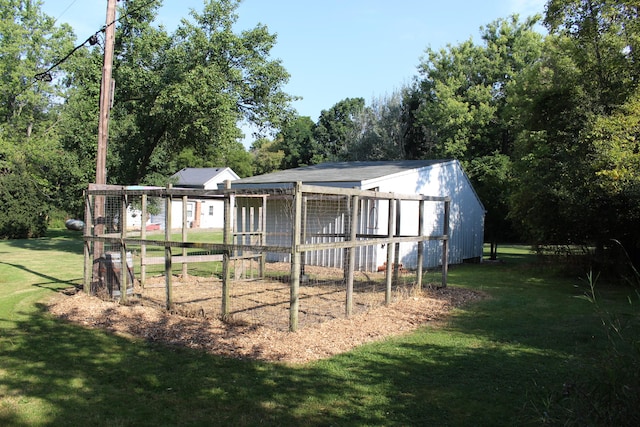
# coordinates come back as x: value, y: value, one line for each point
x: 124, y: 268
x: 88, y: 244
x: 185, y: 205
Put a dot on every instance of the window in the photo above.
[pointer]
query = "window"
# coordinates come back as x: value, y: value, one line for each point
x: 210, y: 210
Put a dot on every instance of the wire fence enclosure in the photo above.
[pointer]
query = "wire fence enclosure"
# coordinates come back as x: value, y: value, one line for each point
x: 285, y: 256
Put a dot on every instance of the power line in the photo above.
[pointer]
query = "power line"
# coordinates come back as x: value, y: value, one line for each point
x: 92, y: 40
x: 65, y: 10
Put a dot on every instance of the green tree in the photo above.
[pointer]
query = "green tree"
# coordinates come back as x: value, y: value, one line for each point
x: 381, y: 130
x: 297, y: 142
x: 337, y: 130
x: 459, y: 108
x: 605, y: 41
x: 267, y: 156
x: 35, y: 171
x: 572, y: 107
x: 615, y: 161
x: 183, y: 94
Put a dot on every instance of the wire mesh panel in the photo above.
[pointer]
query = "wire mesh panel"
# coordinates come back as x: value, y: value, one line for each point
x: 326, y: 219
x: 286, y: 257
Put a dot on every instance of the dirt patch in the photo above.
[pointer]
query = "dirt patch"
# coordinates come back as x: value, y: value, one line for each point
x: 257, y: 328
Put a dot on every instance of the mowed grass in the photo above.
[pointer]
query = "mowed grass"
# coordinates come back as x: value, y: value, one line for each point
x: 496, y: 362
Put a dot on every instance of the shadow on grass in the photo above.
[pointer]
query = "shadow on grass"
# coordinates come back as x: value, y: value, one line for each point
x: 55, y: 240
x: 88, y: 377
x: 485, y: 367
x: 51, y: 282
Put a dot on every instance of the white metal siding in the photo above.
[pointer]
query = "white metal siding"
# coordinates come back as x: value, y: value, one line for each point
x: 466, y: 220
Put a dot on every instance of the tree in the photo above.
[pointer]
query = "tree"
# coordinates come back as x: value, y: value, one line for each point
x: 185, y: 91
x: 380, y: 130
x: 615, y: 162
x: 605, y: 41
x: 35, y: 171
x: 459, y: 108
x: 297, y: 142
x: 573, y: 107
x: 267, y: 156
x: 336, y: 130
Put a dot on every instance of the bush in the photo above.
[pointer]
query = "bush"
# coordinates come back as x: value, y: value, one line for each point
x: 23, y: 210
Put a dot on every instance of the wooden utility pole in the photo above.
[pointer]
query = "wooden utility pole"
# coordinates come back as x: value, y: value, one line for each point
x: 105, y: 93
x: 103, y: 131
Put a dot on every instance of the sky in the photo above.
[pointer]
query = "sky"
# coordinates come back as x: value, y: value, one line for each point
x: 335, y: 49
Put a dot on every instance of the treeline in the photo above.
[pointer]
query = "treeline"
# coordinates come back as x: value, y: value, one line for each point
x: 546, y: 125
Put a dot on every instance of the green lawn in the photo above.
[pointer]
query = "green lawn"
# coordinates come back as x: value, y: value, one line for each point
x: 502, y: 361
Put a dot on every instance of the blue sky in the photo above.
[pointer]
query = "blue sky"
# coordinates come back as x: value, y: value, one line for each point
x: 335, y: 49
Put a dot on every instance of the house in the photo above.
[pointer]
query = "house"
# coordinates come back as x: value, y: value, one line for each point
x: 201, y: 213
x: 426, y: 177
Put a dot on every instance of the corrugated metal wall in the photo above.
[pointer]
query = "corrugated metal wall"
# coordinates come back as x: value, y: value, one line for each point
x: 328, y: 217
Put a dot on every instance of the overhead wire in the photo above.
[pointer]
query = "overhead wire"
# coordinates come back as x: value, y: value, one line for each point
x: 92, y: 40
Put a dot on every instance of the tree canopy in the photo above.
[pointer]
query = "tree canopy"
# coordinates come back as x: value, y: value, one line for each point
x: 546, y: 126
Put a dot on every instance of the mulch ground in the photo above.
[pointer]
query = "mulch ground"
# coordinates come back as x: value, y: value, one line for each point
x: 258, y: 325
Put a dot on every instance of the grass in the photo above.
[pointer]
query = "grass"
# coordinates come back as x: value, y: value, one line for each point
x: 497, y: 362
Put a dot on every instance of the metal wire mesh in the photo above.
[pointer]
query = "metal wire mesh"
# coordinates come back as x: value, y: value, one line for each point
x: 344, y: 241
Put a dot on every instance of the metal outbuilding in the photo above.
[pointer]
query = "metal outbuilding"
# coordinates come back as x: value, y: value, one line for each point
x: 443, y: 178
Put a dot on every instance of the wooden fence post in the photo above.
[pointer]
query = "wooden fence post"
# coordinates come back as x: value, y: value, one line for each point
x: 294, y: 304
x: 390, y: 250
x: 185, y: 204
x: 167, y: 250
x: 88, y: 243
x: 353, y: 232
x: 226, y: 254
x: 143, y: 236
x: 445, y: 243
x: 124, y: 267
x: 420, y: 245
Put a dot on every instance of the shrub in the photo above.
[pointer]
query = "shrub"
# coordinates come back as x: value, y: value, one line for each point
x: 23, y: 210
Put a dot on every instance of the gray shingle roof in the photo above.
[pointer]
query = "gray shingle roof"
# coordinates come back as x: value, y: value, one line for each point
x: 339, y: 172
x: 195, y: 177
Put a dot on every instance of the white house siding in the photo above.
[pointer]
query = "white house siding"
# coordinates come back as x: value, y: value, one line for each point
x: 209, y: 211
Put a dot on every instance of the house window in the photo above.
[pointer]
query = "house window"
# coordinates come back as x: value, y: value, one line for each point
x: 190, y: 207
x: 210, y: 210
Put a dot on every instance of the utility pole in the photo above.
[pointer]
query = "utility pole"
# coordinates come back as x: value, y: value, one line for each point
x: 105, y: 93
x: 103, y: 132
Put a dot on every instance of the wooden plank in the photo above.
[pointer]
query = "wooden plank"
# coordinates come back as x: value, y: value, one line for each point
x: 124, y: 270
x: 318, y: 189
x: 396, y: 249
x: 184, y: 259
x: 185, y: 205
x: 88, y: 244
